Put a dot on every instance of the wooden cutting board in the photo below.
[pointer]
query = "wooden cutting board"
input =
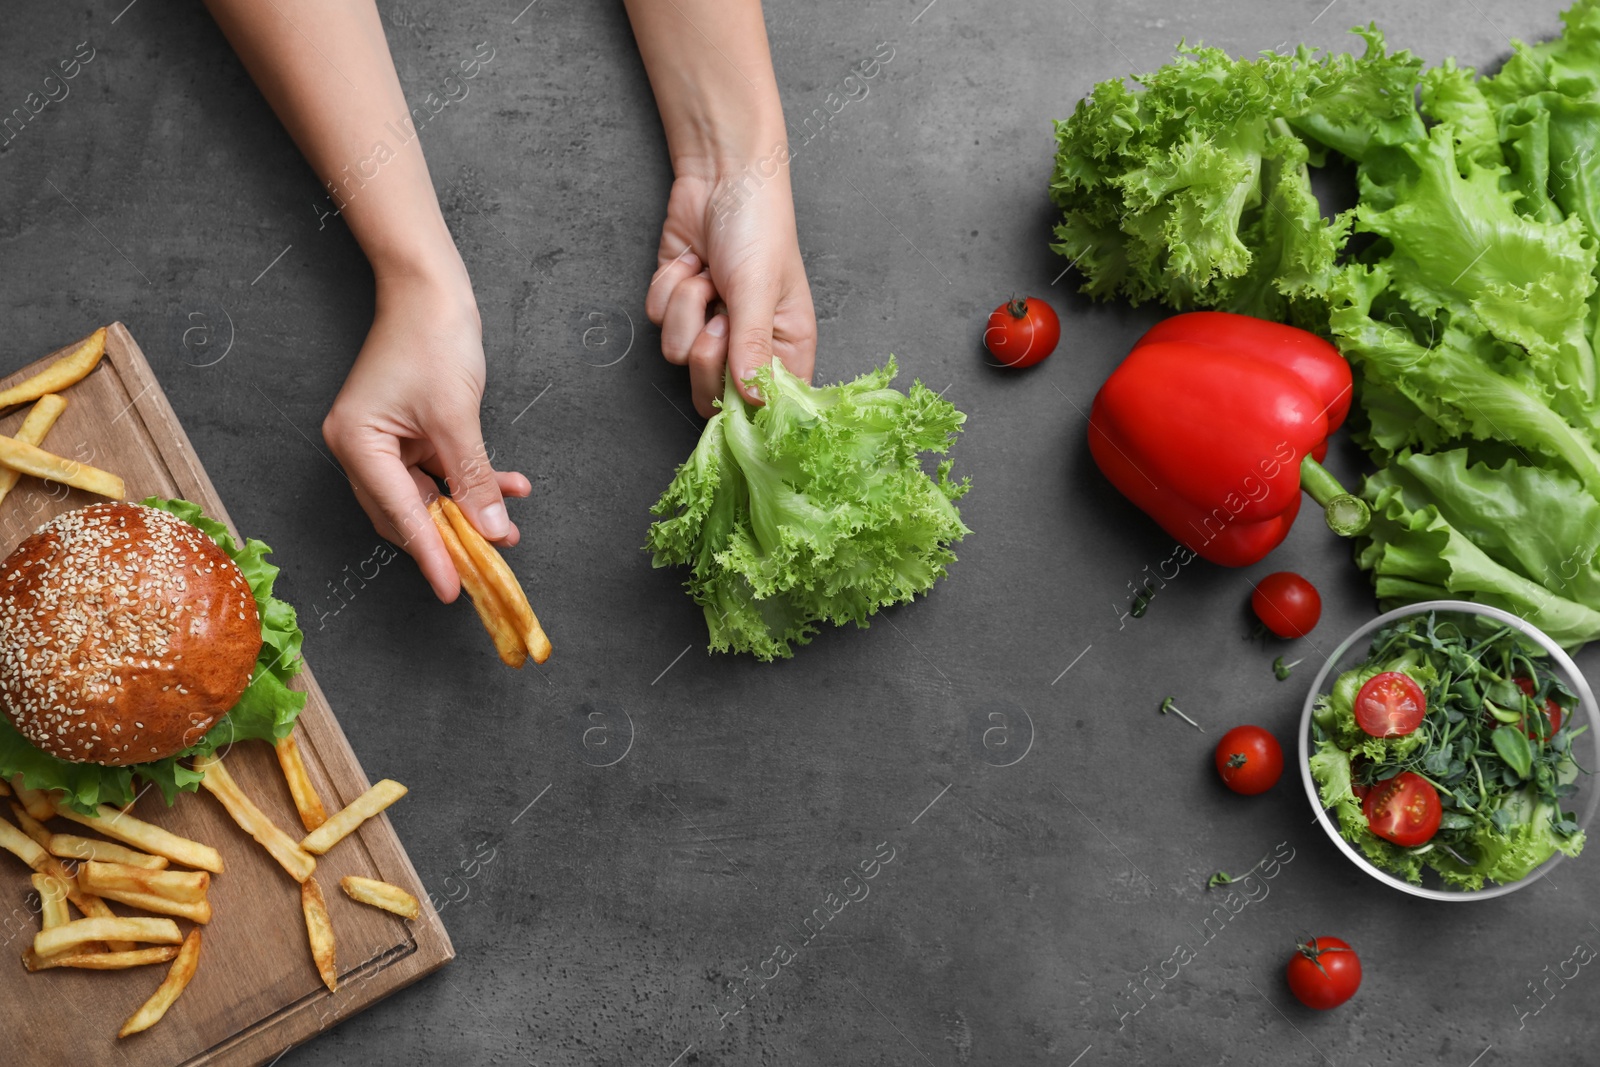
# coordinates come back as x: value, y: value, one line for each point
x: 257, y: 992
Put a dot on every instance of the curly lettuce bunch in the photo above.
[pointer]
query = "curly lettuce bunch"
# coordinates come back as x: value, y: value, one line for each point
x: 812, y: 508
x: 1193, y: 189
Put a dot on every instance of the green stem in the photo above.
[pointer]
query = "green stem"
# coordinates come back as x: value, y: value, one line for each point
x: 1347, y: 515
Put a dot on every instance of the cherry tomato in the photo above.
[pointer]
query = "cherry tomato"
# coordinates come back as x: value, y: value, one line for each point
x: 1552, y: 712
x: 1249, y: 760
x: 1022, y: 332
x: 1390, y: 705
x: 1287, y: 604
x: 1324, y: 973
x: 1404, y: 810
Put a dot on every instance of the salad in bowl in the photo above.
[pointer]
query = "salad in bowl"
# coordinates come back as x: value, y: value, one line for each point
x: 1451, y: 740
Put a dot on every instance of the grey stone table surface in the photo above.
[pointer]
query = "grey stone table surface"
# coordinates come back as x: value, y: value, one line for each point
x: 692, y: 810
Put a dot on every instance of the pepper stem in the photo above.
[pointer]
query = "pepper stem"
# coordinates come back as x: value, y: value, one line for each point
x: 1347, y: 515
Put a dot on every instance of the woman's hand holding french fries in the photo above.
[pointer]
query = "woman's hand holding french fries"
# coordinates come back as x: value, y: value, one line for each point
x: 493, y: 588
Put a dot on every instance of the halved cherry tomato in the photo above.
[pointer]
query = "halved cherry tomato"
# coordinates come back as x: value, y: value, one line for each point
x: 1249, y: 759
x: 1324, y: 973
x: 1022, y: 332
x: 1390, y: 705
x: 1552, y: 712
x: 1287, y: 604
x: 1403, y: 810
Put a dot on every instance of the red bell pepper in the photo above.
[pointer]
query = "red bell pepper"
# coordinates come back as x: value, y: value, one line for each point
x: 1213, y: 425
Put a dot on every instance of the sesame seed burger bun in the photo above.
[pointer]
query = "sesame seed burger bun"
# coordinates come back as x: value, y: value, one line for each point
x: 125, y: 633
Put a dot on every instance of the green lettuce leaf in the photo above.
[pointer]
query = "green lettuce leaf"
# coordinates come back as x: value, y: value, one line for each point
x: 1459, y: 245
x: 813, y: 507
x: 265, y: 711
x: 1331, y: 768
x: 1462, y: 381
x: 1507, y: 856
x: 1517, y: 537
x: 1194, y: 189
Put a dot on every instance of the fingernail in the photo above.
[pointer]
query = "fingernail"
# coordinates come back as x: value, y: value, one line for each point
x: 718, y: 326
x: 494, y: 521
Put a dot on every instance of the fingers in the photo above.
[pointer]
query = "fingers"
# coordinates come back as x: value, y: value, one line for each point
x: 389, y: 493
x: 473, y: 482
x: 750, y: 316
x: 511, y: 483
x: 707, y: 358
x: 685, y: 317
x: 665, y: 280
x: 794, y: 335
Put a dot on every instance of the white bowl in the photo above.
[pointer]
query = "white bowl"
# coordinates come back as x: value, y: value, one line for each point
x: 1352, y: 652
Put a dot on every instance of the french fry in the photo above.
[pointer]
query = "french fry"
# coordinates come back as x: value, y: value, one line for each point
x: 501, y: 580
x: 319, y: 928
x: 183, y: 968
x: 100, y: 961
x: 53, y: 911
x: 81, y: 931
x: 31, y: 826
x: 40, y: 418
x: 306, y: 800
x: 67, y: 370
x: 73, y: 847
x: 31, y: 459
x: 507, y: 642
x: 198, y: 911
x: 141, y: 835
x: 358, y: 811
x: 23, y: 847
x: 48, y: 864
x: 55, y: 867
x: 220, y: 784
x: 102, y: 878
x: 37, y: 801
x: 381, y: 895
x: 33, y: 854
x: 95, y: 908
x: 52, y: 901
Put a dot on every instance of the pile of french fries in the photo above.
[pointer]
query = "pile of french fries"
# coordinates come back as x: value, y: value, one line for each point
x: 137, y: 865
x: 495, y: 592
x: 21, y: 454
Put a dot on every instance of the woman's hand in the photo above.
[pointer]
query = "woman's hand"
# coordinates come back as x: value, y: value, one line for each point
x: 732, y: 239
x: 409, y: 411
x: 730, y: 232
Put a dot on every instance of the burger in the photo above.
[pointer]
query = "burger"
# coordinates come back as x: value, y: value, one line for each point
x: 134, y: 637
